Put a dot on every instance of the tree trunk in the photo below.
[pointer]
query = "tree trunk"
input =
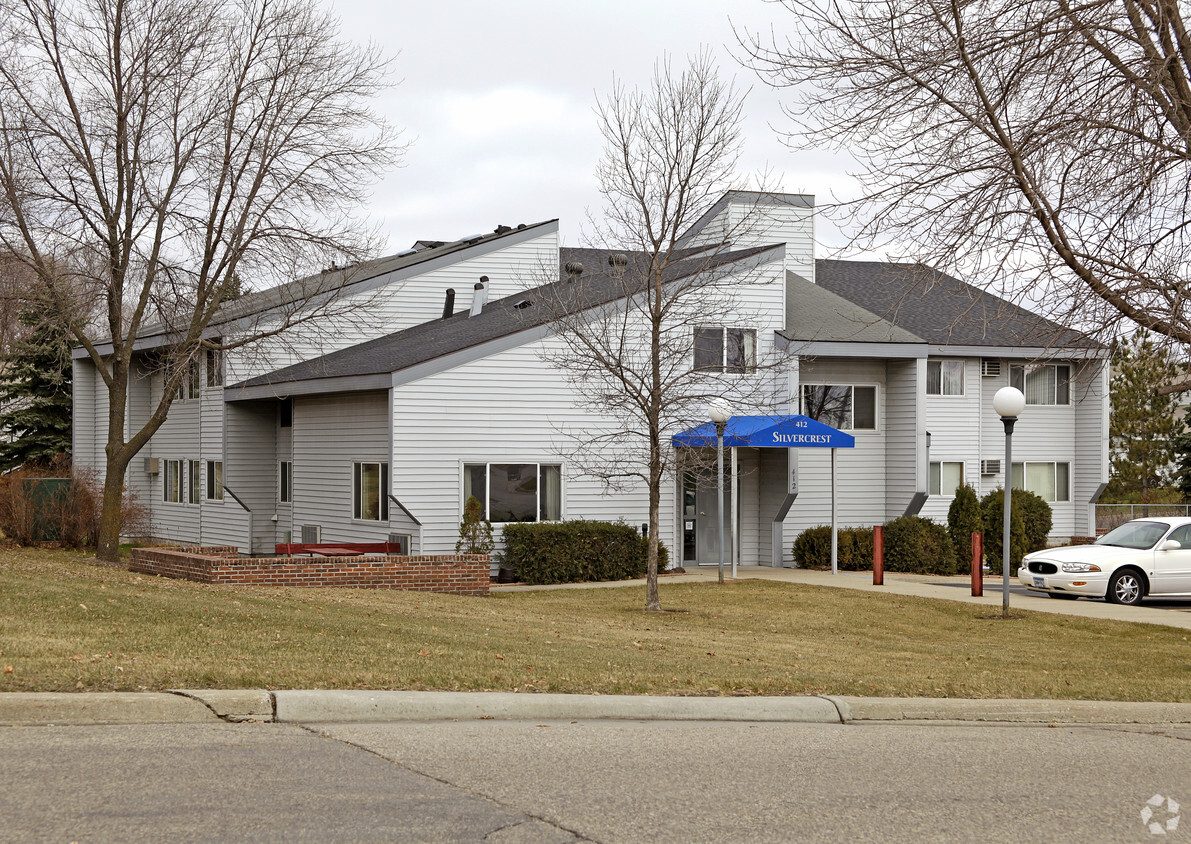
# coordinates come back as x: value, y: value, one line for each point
x: 108, y: 541
x: 653, y: 603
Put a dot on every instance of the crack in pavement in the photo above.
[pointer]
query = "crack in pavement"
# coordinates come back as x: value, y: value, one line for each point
x: 479, y: 794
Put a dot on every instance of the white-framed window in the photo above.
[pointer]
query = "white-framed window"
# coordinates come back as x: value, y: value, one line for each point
x: 285, y: 481
x: 188, y: 387
x: 946, y: 477
x: 1049, y: 481
x: 214, y: 480
x: 944, y: 377
x: 370, y: 492
x: 193, y: 481
x: 172, y: 481
x: 515, y: 492
x: 1043, y: 383
x: 214, y: 366
x: 848, y: 407
x: 725, y: 349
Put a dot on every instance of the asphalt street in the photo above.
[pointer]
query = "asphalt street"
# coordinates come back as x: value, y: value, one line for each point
x: 608, y: 781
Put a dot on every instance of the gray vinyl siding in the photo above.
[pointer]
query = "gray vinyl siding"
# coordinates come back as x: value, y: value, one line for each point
x: 952, y: 421
x: 1091, y: 443
x: 331, y: 433
x: 772, y: 486
x: 177, y: 439
x: 860, y: 471
x: 904, y: 430
x: 248, y: 473
x: 82, y: 414
x: 285, y: 509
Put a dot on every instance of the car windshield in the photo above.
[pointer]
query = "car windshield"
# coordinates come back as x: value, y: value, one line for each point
x: 1139, y: 535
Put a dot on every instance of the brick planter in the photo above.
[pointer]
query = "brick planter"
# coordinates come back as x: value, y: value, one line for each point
x: 454, y: 574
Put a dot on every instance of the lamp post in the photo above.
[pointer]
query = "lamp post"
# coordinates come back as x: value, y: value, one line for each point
x: 719, y: 411
x: 1008, y: 404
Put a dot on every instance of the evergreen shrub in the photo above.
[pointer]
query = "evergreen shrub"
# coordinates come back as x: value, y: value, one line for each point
x: 918, y: 545
x: 964, y: 518
x: 578, y: 551
x: 812, y: 548
x: 993, y: 507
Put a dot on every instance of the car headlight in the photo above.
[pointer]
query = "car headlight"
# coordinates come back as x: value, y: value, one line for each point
x: 1073, y: 568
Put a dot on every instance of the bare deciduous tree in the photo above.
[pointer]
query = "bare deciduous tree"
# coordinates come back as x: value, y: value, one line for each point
x: 628, y: 333
x: 154, y: 153
x: 1042, y: 147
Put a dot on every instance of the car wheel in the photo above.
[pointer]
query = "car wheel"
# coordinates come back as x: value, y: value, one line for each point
x: 1062, y: 596
x: 1125, y: 588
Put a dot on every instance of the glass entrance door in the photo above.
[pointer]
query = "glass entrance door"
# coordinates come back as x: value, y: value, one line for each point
x: 700, y: 516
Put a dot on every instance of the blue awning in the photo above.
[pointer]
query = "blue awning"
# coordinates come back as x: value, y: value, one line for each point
x: 767, y: 432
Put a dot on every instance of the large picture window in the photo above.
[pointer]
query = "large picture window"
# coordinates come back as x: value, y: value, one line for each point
x: 1046, y: 383
x: 1049, y: 481
x: 515, y: 492
x: 944, y: 377
x: 370, y: 491
x: 725, y: 349
x: 843, y: 406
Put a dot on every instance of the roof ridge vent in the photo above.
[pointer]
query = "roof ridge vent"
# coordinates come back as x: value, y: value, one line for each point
x: 471, y: 238
x: 574, y: 269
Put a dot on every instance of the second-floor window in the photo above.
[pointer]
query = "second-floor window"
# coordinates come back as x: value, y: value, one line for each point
x: 1045, y: 383
x: 944, y: 377
x: 725, y: 349
x: 847, y: 407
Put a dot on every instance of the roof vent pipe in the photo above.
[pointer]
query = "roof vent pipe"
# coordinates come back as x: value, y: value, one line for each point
x: 480, y: 297
x: 448, y: 307
x: 574, y: 269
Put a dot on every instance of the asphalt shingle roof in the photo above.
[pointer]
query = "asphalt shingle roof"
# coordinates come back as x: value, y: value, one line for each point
x: 501, y: 317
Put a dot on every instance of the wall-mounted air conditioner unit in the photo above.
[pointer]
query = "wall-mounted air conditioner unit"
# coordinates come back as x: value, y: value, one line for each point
x: 401, y: 540
x: 990, y: 367
x: 151, y: 466
x: 990, y: 467
x: 312, y: 534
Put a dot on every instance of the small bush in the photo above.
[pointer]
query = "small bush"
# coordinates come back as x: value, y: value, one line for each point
x: 579, y: 551
x: 918, y: 545
x: 854, y: 548
x: 475, y: 532
x: 964, y: 518
x: 993, y: 507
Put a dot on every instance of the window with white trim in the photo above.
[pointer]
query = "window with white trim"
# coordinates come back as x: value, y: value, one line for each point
x: 285, y: 481
x: 725, y: 349
x: 214, y: 480
x: 946, y: 477
x: 515, y: 492
x: 944, y: 377
x: 370, y: 492
x: 847, y: 407
x: 1049, y: 481
x: 214, y: 367
x: 1043, y: 383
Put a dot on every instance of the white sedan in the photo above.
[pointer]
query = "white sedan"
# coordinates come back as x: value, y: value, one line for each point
x: 1139, y: 558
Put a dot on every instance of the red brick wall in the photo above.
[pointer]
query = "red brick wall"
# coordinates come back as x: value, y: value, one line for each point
x: 456, y: 574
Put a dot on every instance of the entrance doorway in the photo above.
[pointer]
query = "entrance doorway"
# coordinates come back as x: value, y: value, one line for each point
x: 700, y: 516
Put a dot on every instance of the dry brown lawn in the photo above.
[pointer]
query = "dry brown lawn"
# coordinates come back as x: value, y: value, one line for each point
x: 67, y: 623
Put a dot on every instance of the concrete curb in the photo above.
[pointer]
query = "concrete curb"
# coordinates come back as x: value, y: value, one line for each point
x: 321, y: 706
x: 17, y: 708
x: 324, y: 706
x: 1016, y: 711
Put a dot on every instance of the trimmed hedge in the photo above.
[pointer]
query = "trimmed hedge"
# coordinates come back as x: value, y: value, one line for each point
x: 918, y: 545
x: 854, y: 551
x: 577, y: 552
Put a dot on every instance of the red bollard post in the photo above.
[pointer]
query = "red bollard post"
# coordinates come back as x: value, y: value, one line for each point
x: 878, y: 555
x: 977, y: 565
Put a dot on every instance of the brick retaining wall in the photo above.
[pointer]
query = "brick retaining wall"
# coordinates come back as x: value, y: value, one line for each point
x: 455, y: 574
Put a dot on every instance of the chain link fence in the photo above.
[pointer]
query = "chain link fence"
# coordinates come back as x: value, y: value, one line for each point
x: 1109, y: 516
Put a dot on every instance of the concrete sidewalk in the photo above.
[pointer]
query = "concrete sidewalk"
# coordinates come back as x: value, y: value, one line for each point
x: 348, y: 706
x: 921, y: 585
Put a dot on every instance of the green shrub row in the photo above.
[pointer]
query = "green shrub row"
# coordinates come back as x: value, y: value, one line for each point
x: 918, y: 545
x: 579, y: 551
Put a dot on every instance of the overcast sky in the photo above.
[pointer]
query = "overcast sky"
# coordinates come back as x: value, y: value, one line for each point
x: 496, y: 101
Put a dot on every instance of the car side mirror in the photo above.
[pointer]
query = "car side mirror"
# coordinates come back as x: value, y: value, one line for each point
x: 1171, y: 545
